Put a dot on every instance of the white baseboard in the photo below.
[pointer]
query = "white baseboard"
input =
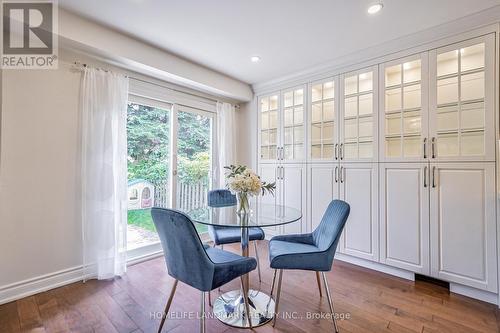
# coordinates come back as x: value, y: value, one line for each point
x: 17, y: 290
x: 29, y: 287
x: 376, y: 266
x: 482, y: 295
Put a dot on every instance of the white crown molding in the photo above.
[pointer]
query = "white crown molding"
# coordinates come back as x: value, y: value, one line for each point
x: 481, y: 22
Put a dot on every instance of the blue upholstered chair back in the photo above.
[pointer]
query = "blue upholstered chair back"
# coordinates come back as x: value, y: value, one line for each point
x: 327, y: 234
x: 185, y: 255
x: 221, y: 198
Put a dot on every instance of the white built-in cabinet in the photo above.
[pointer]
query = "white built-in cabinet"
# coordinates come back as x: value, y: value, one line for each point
x: 410, y: 145
x: 359, y: 187
x: 404, y: 216
x: 282, y: 150
x: 463, y: 224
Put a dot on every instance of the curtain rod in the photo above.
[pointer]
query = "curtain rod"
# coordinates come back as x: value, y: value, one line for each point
x: 84, y: 65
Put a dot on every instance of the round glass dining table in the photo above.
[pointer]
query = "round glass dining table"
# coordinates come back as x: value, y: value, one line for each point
x: 229, y: 307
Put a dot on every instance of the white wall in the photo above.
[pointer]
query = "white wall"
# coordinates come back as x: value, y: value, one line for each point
x: 86, y: 35
x: 246, y: 119
x: 39, y: 222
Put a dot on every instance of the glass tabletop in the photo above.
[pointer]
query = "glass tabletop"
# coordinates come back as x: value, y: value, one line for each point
x: 261, y: 215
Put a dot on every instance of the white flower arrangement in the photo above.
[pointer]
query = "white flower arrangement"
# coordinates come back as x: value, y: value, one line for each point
x: 240, y: 179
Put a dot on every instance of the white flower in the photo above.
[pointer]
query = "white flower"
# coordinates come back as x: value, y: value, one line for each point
x: 247, y: 182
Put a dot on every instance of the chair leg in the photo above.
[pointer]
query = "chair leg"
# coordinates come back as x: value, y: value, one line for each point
x: 329, y: 296
x: 258, y: 261
x: 210, y: 298
x: 278, y: 293
x: 169, y: 302
x: 319, y: 284
x: 245, y: 300
x: 274, y: 280
x: 202, y: 318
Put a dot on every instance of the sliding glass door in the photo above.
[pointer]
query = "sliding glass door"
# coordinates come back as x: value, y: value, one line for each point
x: 194, y: 160
x: 169, y: 163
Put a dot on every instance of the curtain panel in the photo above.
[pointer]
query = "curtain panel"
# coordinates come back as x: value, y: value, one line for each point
x: 226, y: 141
x: 104, y: 98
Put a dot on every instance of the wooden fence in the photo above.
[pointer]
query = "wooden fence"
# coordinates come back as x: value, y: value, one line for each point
x: 189, y: 196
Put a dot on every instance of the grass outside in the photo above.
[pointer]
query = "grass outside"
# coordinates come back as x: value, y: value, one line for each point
x: 142, y: 218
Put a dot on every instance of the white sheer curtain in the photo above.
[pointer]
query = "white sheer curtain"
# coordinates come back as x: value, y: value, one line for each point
x: 226, y: 140
x: 104, y: 173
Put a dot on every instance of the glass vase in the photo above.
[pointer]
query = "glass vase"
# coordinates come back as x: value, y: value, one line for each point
x: 243, y: 204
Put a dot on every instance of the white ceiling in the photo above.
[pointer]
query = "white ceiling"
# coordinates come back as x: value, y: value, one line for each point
x: 289, y: 35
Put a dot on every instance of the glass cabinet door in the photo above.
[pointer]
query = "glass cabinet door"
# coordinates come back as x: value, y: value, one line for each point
x: 404, y: 126
x: 359, y: 116
x: 293, y: 124
x: 462, y: 101
x: 323, y: 126
x: 268, y: 113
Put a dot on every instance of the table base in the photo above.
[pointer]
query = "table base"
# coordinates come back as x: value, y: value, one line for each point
x: 230, y: 309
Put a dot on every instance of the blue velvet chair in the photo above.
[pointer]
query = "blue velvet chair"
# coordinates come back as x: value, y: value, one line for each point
x: 189, y: 261
x: 225, y: 235
x: 312, y: 252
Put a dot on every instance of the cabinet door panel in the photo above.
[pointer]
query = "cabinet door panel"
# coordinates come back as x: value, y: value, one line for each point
x: 323, y: 120
x: 323, y: 189
x: 463, y: 231
x: 462, y: 100
x: 293, y: 192
x: 404, y: 216
x: 267, y: 173
x: 293, y: 125
x: 359, y: 187
x: 269, y: 127
x: 359, y: 116
x: 404, y: 109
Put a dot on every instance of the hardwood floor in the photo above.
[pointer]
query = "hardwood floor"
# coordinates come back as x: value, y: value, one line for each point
x: 374, y: 302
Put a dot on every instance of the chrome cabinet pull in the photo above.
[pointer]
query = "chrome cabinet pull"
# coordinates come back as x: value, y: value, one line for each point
x: 425, y: 176
x: 433, y: 176
x: 341, y: 151
x: 282, y: 173
x: 342, y: 174
x: 433, y: 142
x: 336, y: 174
x: 336, y: 151
x: 425, y: 147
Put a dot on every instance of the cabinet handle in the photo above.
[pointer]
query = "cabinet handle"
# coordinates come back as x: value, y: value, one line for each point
x: 336, y: 151
x: 282, y: 173
x: 425, y: 147
x: 336, y: 174
x: 342, y: 174
x: 433, y: 142
x: 433, y: 176
x: 341, y: 151
x: 425, y: 176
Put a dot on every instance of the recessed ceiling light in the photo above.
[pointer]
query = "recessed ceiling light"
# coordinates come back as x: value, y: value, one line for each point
x: 375, y: 8
x: 254, y: 58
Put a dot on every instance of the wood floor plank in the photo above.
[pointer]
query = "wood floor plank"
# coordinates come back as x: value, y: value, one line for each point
x: 375, y: 302
x: 29, y: 315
